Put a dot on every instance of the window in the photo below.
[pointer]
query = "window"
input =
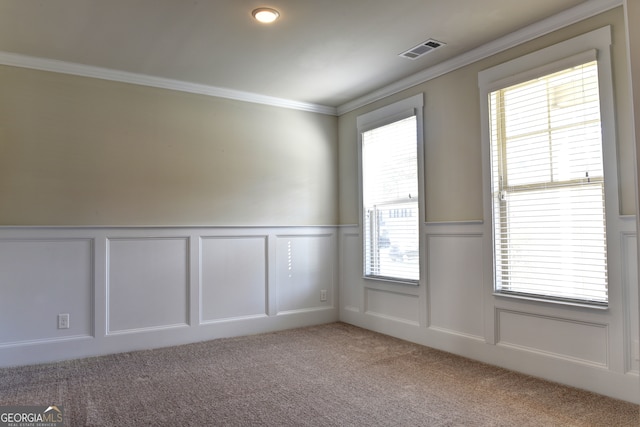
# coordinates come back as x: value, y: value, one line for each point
x: 546, y: 170
x: 390, y: 150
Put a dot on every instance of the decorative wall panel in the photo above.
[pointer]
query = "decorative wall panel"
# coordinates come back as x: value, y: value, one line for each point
x: 148, y: 283
x: 455, y: 283
x: 396, y: 306
x: 233, y: 277
x: 579, y: 341
x: 305, y: 267
x: 352, y: 288
x: 41, y: 278
x: 630, y: 297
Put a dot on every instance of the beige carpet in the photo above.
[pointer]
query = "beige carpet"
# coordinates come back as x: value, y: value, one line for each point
x: 327, y: 375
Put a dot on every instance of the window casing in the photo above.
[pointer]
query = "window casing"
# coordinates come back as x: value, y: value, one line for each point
x: 549, y: 163
x: 390, y: 151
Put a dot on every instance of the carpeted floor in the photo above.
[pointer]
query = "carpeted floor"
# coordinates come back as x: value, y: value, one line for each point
x: 327, y: 375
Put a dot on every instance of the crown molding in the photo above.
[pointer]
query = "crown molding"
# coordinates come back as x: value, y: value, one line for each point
x: 578, y: 13
x: 43, y: 64
x: 570, y: 16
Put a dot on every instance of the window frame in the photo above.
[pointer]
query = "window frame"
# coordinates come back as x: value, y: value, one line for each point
x: 531, y: 66
x: 412, y: 106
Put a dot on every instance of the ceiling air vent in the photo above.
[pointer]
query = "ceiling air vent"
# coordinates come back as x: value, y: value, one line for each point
x: 422, y: 49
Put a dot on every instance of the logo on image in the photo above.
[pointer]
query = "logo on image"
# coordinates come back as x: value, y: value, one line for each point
x: 31, y: 416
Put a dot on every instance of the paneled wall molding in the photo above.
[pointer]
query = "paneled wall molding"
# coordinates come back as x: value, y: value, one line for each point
x: 628, y: 223
x: 229, y: 281
x: 398, y: 306
x: 630, y: 297
x: 591, y: 349
x: 131, y: 288
x: 451, y: 332
x: 587, y: 338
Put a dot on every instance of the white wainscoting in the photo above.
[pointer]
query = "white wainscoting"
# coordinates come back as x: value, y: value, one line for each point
x: 396, y: 306
x: 234, y: 277
x: 129, y: 288
x: 39, y: 279
x: 454, y: 290
x: 576, y: 341
x: 630, y: 297
x: 454, y: 310
x: 147, y: 284
x: 351, y: 283
x: 304, y: 267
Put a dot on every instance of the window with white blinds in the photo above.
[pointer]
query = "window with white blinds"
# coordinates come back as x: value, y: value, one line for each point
x: 390, y: 200
x: 548, y: 197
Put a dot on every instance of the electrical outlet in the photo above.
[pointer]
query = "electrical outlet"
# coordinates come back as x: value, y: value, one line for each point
x: 323, y: 295
x: 63, y: 321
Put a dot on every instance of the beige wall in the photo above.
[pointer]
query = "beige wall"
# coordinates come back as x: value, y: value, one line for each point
x: 453, y: 167
x: 82, y: 151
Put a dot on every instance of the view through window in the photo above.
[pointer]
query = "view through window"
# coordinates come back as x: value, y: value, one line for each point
x: 391, y: 200
x: 548, y: 187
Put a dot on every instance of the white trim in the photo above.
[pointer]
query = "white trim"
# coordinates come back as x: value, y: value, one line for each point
x: 404, y: 108
x: 578, y: 13
x: 560, y: 20
x: 34, y: 339
x: 19, y: 344
x: 540, y: 360
x: 553, y: 58
x: 164, y: 227
x: 599, y: 39
x: 563, y: 63
x: 451, y: 332
x: 43, y: 64
x: 390, y: 113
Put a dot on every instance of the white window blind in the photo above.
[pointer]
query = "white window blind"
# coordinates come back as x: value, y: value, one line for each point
x: 390, y: 200
x: 548, y: 187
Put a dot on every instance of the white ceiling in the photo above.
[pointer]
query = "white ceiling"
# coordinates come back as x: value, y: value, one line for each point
x: 324, y: 52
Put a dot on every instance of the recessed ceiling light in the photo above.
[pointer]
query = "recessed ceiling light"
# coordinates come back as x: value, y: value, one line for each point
x: 265, y: 15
